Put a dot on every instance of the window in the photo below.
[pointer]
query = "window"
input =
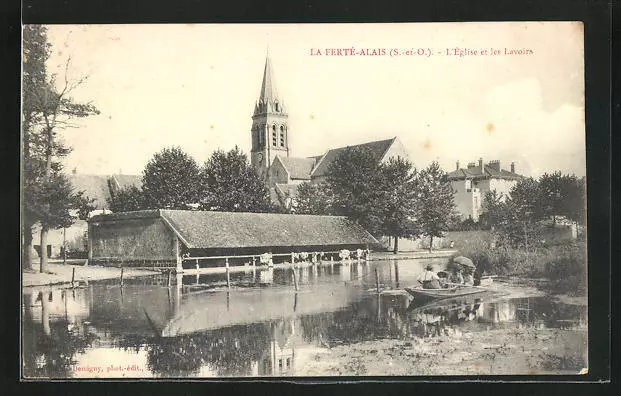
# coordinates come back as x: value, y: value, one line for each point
x: 282, y: 136
x: 276, y: 106
x: 288, y: 362
x: 274, y: 135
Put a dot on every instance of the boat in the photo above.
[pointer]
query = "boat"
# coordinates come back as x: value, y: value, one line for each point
x: 454, y: 291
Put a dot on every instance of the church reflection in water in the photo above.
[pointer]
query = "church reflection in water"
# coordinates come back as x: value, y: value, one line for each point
x: 181, y: 331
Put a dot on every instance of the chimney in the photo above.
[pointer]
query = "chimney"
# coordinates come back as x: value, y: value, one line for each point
x: 471, y: 165
x: 513, y: 167
x: 481, y: 164
x: 457, y: 165
x: 494, y: 165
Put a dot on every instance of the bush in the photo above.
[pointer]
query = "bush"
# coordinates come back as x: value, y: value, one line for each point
x: 564, y: 264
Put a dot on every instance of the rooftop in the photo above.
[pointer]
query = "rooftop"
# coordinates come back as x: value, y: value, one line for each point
x: 377, y: 148
x: 206, y: 229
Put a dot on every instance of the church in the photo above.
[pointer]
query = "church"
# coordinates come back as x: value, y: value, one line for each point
x: 271, y: 155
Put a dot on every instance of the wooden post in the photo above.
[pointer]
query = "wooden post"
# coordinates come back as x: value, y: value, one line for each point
x: 168, y: 280
x: 197, y: 266
x: 72, y: 277
x: 178, y: 258
x: 228, y: 277
x: 292, y: 258
x: 90, y: 244
x: 295, y: 279
x: 397, y: 273
x: 254, y: 263
x: 121, y: 280
x: 377, y: 287
x: 64, y: 246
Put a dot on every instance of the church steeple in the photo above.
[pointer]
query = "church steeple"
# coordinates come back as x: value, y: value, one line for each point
x: 269, y: 101
x: 269, y: 124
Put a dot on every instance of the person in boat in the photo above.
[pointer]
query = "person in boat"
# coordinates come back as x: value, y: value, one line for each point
x: 468, y: 278
x: 429, y: 279
x: 456, y: 276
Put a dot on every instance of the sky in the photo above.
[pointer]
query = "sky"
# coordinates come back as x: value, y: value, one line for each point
x: 195, y: 86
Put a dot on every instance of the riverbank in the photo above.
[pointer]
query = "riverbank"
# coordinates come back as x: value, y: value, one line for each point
x: 512, y: 351
x: 419, y: 254
x: 60, y: 274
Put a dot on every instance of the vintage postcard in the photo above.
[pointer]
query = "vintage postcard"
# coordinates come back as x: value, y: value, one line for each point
x: 295, y: 200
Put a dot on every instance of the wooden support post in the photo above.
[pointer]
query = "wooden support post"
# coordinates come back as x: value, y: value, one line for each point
x: 254, y: 261
x: 295, y: 279
x: 197, y: 266
x: 292, y: 258
x: 228, y: 277
x: 397, y: 273
x: 121, y: 280
x: 89, y: 244
x: 178, y: 258
x: 377, y: 287
x: 73, y: 277
x: 168, y: 281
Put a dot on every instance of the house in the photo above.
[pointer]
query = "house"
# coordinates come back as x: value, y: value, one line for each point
x: 100, y: 188
x: 271, y: 155
x: 472, y: 183
x: 165, y: 237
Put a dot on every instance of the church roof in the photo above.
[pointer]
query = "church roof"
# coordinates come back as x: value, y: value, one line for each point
x: 377, y: 148
x: 298, y: 168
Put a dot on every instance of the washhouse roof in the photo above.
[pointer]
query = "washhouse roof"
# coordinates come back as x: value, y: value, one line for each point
x: 207, y: 229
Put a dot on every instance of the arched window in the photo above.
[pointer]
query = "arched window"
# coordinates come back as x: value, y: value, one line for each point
x: 274, y: 137
x: 282, y: 136
x: 276, y: 106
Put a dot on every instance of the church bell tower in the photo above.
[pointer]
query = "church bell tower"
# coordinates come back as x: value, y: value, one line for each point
x: 269, y: 125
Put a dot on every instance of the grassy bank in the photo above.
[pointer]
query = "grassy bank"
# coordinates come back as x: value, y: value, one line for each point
x: 562, y: 264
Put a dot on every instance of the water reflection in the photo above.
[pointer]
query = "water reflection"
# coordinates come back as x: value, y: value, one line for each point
x: 259, y: 328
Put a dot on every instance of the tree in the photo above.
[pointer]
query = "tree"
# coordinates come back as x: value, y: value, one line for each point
x: 171, y: 180
x: 313, y: 199
x: 354, y: 178
x: 230, y: 184
x: 515, y: 220
x: 126, y: 199
x: 398, y: 186
x: 435, y: 202
x: 562, y: 195
x: 47, y: 108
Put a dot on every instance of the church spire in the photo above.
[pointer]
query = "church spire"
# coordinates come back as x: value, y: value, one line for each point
x: 268, y: 88
x: 269, y: 101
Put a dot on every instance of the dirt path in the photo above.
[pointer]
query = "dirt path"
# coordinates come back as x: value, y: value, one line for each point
x: 60, y: 274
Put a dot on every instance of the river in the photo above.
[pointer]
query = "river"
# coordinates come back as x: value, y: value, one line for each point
x: 196, y: 327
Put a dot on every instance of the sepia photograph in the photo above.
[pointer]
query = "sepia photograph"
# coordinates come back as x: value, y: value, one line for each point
x: 303, y: 200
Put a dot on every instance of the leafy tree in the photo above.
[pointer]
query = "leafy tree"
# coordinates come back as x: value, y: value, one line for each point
x: 83, y: 205
x: 435, y: 202
x: 562, y: 195
x: 398, y: 186
x: 171, y: 180
x: 126, y: 199
x: 313, y: 199
x: 230, y: 184
x: 354, y: 177
x: 47, y: 108
x: 515, y: 219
